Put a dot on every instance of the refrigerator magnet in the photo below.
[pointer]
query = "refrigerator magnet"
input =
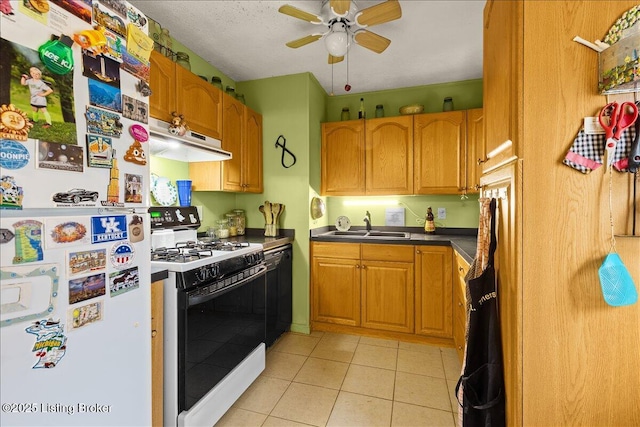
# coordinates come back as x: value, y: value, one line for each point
x: 123, y: 281
x: 121, y: 254
x: 139, y: 133
x: 132, y: 188
x: 135, y: 154
x: 14, y: 123
x: 11, y: 193
x: 64, y: 232
x: 63, y: 157
x: 13, y: 154
x: 85, y: 288
x: 137, y: 110
x: 103, y: 122
x: 28, y: 234
x: 84, y: 315
x: 51, y: 342
x: 28, y: 292
x: 84, y: 262
x: 108, y: 228
x: 136, y: 229
x: 99, y: 151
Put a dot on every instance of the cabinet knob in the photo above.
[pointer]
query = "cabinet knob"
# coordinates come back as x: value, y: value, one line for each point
x: 459, y: 347
x: 460, y: 269
x: 357, y: 266
x: 459, y: 304
x: 154, y: 333
x: 417, y: 251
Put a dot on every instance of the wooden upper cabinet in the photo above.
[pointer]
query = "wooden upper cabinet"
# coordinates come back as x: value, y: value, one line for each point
x: 343, y: 158
x: 389, y: 156
x: 199, y: 102
x: 162, y: 80
x: 252, y: 154
x: 243, y: 138
x: 475, y: 149
x: 502, y: 33
x: 174, y: 88
x: 439, y: 147
x: 233, y: 124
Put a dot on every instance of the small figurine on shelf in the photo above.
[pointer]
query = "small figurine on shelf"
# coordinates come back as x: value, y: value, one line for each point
x: 178, y: 125
x: 429, y: 224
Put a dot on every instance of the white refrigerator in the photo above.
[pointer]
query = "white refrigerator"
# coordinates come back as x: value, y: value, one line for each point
x: 75, y: 298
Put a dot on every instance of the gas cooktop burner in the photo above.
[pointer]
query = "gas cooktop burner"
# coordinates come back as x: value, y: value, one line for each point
x: 194, y: 250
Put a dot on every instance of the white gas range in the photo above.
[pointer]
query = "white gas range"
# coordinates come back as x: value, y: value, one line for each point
x: 214, y: 317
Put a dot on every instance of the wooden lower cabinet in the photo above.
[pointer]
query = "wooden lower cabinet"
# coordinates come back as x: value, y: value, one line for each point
x: 434, y: 291
x: 461, y: 267
x: 157, y: 359
x: 393, y: 291
x: 335, y: 275
x: 387, y: 287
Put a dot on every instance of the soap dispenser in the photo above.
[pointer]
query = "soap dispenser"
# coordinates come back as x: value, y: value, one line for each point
x: 429, y: 224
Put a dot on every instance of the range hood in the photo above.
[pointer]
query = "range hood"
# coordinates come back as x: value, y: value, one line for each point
x: 192, y: 147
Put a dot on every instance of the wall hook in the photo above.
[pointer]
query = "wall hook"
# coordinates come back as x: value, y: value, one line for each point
x: 285, y: 150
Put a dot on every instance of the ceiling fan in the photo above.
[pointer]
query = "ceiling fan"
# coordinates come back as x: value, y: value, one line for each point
x: 346, y: 23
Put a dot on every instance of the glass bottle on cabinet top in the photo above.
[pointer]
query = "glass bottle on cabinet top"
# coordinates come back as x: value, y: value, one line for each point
x: 182, y: 59
x: 345, y: 115
x: 379, y: 111
x: 447, y: 105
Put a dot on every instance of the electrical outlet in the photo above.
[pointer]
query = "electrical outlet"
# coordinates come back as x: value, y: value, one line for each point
x: 442, y: 213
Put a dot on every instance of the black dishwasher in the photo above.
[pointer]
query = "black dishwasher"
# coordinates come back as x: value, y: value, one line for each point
x: 279, y: 284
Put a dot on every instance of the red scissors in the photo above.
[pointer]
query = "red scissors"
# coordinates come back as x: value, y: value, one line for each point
x: 621, y: 116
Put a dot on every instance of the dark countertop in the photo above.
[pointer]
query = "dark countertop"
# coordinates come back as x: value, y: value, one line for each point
x: 256, y: 235
x: 158, y: 274
x: 463, y: 240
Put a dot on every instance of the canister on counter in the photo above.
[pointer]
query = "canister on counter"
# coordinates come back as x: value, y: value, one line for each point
x: 232, y: 219
x: 241, y: 221
x: 222, y: 229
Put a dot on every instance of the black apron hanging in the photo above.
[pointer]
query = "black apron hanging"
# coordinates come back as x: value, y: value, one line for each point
x: 480, y: 389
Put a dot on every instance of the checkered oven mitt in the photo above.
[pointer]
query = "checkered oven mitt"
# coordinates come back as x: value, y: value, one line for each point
x: 587, y: 152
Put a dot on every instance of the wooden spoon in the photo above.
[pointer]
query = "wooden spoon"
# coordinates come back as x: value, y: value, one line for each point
x: 268, y: 217
x: 276, y: 212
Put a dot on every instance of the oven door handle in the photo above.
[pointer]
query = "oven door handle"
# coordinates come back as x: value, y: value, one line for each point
x: 199, y: 299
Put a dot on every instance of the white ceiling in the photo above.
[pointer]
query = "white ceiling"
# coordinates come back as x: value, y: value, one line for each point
x: 434, y: 42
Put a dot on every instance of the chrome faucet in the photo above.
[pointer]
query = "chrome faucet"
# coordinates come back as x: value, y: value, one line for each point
x: 367, y: 220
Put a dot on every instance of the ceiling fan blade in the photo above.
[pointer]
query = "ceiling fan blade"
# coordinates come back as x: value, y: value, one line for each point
x: 304, y: 40
x: 340, y: 7
x: 300, y: 14
x: 371, y: 41
x: 335, y: 59
x: 379, y: 14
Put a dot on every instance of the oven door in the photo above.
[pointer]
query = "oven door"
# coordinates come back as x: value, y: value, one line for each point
x: 216, y: 332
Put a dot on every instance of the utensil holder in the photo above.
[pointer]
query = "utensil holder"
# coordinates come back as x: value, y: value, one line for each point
x: 271, y: 230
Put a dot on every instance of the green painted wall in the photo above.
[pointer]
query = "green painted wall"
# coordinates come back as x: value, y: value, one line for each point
x: 466, y: 94
x: 285, y: 103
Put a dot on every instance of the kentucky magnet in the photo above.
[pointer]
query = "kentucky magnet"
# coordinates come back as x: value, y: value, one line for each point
x: 108, y: 228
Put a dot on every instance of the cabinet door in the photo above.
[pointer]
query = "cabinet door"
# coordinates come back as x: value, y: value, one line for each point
x: 434, y: 294
x: 459, y: 304
x: 387, y: 296
x: 162, y: 100
x: 252, y: 152
x: 475, y: 149
x: 157, y: 352
x: 199, y: 102
x: 343, y: 159
x: 233, y: 124
x: 206, y: 176
x: 336, y: 290
x: 389, y: 155
x: 502, y: 34
x: 439, y: 143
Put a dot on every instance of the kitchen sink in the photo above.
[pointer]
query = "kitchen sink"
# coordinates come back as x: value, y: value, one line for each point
x: 364, y: 234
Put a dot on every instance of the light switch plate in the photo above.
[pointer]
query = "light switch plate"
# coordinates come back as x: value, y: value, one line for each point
x: 442, y: 213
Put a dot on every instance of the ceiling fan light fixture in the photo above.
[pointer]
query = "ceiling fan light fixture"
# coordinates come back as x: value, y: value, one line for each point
x: 337, y: 41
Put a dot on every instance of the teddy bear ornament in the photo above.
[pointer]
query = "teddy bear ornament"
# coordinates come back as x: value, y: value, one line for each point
x: 178, y: 126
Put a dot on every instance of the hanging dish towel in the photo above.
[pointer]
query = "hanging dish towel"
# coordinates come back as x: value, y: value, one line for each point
x: 587, y: 152
x: 480, y: 389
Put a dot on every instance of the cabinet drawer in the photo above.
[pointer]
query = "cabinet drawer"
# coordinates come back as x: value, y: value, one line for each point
x: 398, y: 253
x: 336, y: 250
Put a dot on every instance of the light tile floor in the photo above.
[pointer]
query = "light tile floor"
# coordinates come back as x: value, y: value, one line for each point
x: 328, y: 379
